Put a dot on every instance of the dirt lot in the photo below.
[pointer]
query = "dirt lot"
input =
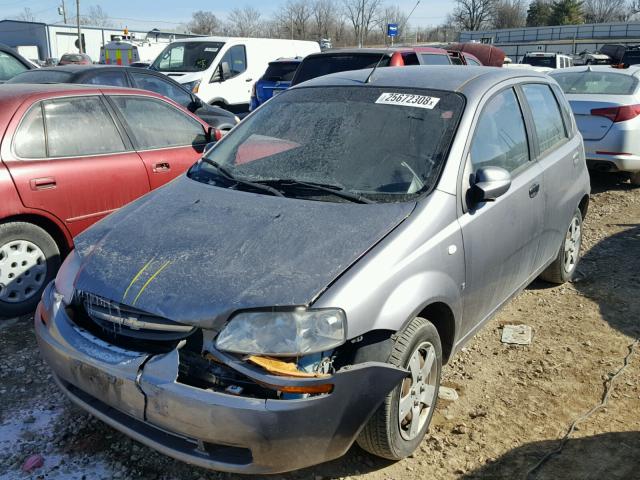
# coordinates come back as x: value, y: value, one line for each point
x: 515, y: 402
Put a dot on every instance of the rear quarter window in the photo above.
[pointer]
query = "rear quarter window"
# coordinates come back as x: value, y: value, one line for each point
x: 29, y: 139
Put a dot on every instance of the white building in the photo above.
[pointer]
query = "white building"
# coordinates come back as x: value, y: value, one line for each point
x: 52, y: 41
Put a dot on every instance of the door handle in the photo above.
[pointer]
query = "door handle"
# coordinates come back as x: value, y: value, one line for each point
x: 576, y: 157
x: 533, y: 191
x: 249, y: 80
x: 43, y: 183
x: 161, y: 167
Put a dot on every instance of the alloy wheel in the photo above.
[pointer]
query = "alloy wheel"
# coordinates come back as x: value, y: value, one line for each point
x: 572, y: 245
x: 418, y: 392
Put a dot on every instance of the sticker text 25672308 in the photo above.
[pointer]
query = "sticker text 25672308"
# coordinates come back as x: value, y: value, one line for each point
x: 408, y: 100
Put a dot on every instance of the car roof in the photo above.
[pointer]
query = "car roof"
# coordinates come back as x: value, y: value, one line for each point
x: 287, y: 60
x: 456, y: 78
x: 74, y: 68
x: 631, y: 70
x: 377, y: 51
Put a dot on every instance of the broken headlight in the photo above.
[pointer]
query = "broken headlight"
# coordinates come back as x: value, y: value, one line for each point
x: 64, y: 283
x: 284, y: 333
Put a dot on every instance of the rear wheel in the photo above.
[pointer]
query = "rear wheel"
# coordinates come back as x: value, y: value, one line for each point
x: 564, y: 266
x: 398, y: 426
x: 29, y: 260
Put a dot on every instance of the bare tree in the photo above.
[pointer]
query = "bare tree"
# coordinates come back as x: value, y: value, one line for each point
x: 511, y: 13
x: 244, y: 22
x: 632, y: 9
x: 363, y: 16
x: 473, y: 14
x: 323, y: 12
x: 295, y: 18
x: 96, y: 17
x: 26, y: 15
x: 204, y: 23
x: 601, y: 11
x: 393, y: 15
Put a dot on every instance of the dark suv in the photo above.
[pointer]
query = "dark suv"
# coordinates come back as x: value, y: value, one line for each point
x: 142, y: 78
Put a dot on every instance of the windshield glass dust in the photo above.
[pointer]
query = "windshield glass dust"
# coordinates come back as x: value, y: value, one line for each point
x: 384, y: 144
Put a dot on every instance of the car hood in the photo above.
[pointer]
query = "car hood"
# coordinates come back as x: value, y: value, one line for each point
x: 195, y: 253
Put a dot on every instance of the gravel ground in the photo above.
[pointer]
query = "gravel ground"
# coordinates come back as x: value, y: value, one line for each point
x: 515, y: 402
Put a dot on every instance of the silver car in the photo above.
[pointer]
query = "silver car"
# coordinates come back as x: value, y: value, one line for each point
x: 301, y: 286
x: 606, y: 104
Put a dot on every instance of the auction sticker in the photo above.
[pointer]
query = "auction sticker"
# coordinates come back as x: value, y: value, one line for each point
x: 408, y: 100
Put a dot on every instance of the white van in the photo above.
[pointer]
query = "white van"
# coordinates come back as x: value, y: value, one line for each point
x: 222, y: 70
x: 547, y: 59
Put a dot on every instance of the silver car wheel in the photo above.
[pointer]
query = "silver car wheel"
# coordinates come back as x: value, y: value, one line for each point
x: 417, y: 393
x: 23, y: 270
x: 572, y: 245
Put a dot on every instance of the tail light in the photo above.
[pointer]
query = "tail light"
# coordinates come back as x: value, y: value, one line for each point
x: 617, y: 114
x: 396, y: 60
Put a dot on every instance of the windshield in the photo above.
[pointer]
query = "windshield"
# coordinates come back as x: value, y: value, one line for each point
x: 42, y: 76
x: 313, y: 67
x: 383, y: 144
x: 280, y: 71
x: 594, y: 82
x: 540, y: 61
x: 187, y: 57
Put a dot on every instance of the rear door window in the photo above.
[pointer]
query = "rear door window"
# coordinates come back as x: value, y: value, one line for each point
x: 111, y: 77
x: 547, y: 118
x: 9, y: 67
x: 500, y: 139
x: 410, y: 59
x: 80, y: 126
x: 157, y: 124
x: 29, y: 140
x: 161, y: 86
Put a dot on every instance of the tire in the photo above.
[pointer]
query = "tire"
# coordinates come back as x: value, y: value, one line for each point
x: 29, y: 260
x: 383, y: 434
x: 635, y: 178
x: 563, y: 268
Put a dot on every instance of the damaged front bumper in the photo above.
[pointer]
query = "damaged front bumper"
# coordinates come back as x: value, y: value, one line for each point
x: 139, y: 394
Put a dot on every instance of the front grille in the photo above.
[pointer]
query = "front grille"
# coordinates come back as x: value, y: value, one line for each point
x: 127, y: 327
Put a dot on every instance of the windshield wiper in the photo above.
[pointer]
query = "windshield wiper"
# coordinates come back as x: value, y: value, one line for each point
x: 229, y: 176
x: 337, y: 190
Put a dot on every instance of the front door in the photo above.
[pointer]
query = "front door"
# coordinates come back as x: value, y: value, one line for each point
x: 501, y: 237
x: 168, y: 140
x: 83, y: 171
x: 234, y: 86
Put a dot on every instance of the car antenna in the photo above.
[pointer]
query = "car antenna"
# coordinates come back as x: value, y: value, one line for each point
x: 368, y: 79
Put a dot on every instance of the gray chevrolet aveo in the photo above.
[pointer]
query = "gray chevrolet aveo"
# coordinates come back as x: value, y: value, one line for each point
x: 301, y: 286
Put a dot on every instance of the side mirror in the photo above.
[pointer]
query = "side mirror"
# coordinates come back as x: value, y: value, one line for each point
x: 490, y: 183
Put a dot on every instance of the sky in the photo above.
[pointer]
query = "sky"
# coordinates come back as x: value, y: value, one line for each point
x: 165, y: 14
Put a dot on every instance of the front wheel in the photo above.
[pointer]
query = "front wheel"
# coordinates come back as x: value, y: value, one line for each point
x: 29, y: 259
x: 564, y: 266
x: 396, y: 429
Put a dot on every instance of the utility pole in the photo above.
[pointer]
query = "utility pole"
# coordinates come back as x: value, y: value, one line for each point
x: 64, y: 13
x: 78, y: 23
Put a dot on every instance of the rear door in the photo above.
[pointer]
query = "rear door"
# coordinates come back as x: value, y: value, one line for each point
x: 167, y: 139
x: 85, y: 169
x: 558, y: 154
x: 501, y: 237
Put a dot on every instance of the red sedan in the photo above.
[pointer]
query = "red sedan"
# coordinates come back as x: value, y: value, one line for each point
x: 69, y: 156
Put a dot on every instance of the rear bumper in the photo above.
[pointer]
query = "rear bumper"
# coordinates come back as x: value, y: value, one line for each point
x: 612, y: 163
x: 139, y: 395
